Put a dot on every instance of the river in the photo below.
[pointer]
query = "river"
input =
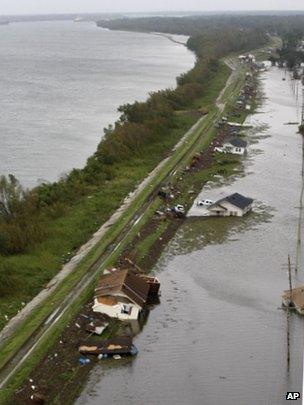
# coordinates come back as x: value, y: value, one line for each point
x: 219, y: 337
x: 61, y: 84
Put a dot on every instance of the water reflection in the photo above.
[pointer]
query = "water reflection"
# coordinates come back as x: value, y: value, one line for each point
x: 218, y: 336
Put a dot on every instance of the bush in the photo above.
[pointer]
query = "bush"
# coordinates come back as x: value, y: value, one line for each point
x: 8, y: 281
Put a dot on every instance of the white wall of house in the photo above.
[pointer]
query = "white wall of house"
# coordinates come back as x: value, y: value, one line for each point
x: 235, y: 150
x: 228, y: 148
x: 231, y: 210
x: 121, y: 310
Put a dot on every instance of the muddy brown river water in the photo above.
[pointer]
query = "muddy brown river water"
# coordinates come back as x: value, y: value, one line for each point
x: 219, y: 337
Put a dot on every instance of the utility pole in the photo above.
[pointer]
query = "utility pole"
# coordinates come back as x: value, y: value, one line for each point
x: 302, y: 114
x: 289, y: 276
x: 288, y: 339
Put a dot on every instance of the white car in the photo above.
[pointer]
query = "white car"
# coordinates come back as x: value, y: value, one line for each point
x: 205, y: 203
x: 179, y: 209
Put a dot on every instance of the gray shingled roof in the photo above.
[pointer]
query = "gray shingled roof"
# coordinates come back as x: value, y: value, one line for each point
x: 236, y: 199
x: 238, y: 143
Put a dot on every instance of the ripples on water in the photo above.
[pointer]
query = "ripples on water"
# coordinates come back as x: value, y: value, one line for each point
x: 61, y: 84
x: 218, y: 337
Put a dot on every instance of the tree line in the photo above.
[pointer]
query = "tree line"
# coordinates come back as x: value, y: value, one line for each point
x: 25, y: 214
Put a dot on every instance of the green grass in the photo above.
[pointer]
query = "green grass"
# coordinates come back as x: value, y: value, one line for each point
x: 207, y: 99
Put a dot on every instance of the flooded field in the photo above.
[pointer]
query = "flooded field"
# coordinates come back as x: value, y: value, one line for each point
x: 219, y: 337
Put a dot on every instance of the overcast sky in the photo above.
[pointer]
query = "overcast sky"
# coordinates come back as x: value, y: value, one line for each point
x: 78, y: 6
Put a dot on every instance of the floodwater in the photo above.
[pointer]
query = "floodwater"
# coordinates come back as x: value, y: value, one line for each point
x: 219, y: 337
x: 61, y: 84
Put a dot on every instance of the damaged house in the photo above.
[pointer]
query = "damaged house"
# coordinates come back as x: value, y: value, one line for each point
x: 121, y: 294
x: 235, y: 146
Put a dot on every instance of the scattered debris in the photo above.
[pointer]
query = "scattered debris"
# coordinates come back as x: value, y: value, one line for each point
x: 38, y: 398
x: 83, y: 361
x: 178, y: 210
x: 97, y: 327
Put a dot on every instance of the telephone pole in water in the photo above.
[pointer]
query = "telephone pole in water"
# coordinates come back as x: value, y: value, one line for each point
x: 302, y: 114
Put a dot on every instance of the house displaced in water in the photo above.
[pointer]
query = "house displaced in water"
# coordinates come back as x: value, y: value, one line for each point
x: 294, y: 299
x: 235, y: 146
x: 123, y: 294
x: 234, y: 205
x: 248, y: 58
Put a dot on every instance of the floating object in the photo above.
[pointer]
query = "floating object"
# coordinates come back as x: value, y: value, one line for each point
x: 78, y: 326
x: 134, y: 351
x: 83, y: 361
x: 116, y: 357
x: 117, y: 345
x: 294, y: 298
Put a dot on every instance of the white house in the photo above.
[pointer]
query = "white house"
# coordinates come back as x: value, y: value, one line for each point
x: 121, y: 294
x: 234, y: 146
x: 234, y: 205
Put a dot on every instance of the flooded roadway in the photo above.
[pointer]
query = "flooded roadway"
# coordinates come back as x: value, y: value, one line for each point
x: 218, y: 337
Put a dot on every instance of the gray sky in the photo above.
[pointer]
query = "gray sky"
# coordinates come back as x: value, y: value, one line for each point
x: 78, y: 6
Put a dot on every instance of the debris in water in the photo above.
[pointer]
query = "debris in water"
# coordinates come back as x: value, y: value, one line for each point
x: 83, y: 361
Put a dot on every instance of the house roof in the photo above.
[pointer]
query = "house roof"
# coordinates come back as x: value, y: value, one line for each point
x: 116, y: 345
x: 297, y: 296
x: 237, y: 142
x: 126, y: 282
x: 235, y: 199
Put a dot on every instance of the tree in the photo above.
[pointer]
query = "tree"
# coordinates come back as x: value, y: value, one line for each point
x: 11, y: 197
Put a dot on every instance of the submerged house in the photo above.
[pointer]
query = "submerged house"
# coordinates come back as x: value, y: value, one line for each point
x: 121, y: 294
x: 234, y: 205
x: 235, y: 146
x: 294, y: 299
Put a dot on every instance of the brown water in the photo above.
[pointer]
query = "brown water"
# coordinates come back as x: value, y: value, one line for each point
x: 218, y: 336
